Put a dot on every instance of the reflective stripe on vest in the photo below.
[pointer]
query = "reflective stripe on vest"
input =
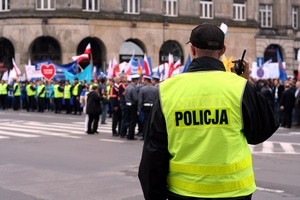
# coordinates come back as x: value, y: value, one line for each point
x: 75, y: 89
x: 67, y: 92
x: 18, y: 91
x: 57, y: 93
x: 29, y: 91
x: 3, y: 89
x: 210, y: 157
x: 40, y: 88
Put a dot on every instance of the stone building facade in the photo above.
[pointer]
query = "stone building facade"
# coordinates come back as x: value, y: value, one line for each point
x: 59, y: 29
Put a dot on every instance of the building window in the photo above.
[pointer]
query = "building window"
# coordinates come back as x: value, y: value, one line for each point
x: 295, y: 17
x: 239, y: 11
x: 132, y: 6
x: 265, y: 15
x: 170, y: 8
x: 5, y: 5
x: 206, y: 9
x: 90, y: 5
x: 45, y: 4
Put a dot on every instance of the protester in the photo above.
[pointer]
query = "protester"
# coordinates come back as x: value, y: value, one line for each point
x: 93, y: 109
x: 115, y: 104
x: 287, y: 103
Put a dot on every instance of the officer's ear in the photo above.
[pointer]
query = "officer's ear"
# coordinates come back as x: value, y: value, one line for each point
x: 223, y: 50
x: 193, y: 51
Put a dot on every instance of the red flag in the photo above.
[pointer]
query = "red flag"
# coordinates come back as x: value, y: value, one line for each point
x: 88, y: 49
x: 146, y: 66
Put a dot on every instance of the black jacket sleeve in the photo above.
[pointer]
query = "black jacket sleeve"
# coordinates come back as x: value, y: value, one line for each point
x: 154, y: 165
x: 16, y: 88
x: 259, y: 120
x: 42, y: 91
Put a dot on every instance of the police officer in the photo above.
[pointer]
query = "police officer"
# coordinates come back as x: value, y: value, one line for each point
x: 146, y: 99
x: 76, y: 90
x: 198, y: 134
x: 131, y: 96
x: 67, y: 96
x: 41, y: 93
x: 17, y: 94
x: 31, y: 91
x: 155, y: 80
x: 3, y: 93
x: 58, y: 95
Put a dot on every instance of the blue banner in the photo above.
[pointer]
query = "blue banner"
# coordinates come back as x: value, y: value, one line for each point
x: 60, y: 75
x: 86, y: 75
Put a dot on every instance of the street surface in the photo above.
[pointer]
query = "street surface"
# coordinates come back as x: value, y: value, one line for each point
x: 47, y: 156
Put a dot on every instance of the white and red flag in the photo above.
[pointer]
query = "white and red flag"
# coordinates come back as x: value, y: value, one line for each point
x: 80, y: 57
x: 88, y: 49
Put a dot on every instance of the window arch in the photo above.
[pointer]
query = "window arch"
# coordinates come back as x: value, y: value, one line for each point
x: 172, y: 47
x: 129, y: 47
x: 98, y: 51
x: 271, y: 52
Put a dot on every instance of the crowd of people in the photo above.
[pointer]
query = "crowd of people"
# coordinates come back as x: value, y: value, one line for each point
x: 284, y: 98
x: 127, y: 102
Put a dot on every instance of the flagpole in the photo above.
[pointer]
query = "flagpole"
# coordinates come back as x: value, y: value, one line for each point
x: 91, y: 61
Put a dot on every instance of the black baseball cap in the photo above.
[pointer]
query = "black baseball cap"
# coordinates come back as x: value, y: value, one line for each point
x: 207, y: 36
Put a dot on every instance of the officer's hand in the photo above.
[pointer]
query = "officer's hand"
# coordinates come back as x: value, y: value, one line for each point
x: 138, y: 113
x: 246, y: 73
x: 116, y: 108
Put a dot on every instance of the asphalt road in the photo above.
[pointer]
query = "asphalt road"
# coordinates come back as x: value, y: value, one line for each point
x: 46, y: 156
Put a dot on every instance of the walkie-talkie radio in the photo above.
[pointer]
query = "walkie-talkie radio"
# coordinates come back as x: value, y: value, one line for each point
x: 238, y: 65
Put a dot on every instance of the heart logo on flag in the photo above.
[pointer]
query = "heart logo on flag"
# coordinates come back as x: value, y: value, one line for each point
x: 48, y: 71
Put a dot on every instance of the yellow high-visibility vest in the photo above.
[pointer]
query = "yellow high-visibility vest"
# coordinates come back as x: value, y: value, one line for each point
x: 75, y: 89
x: 57, y: 93
x: 67, y: 92
x: 18, y: 91
x: 210, y: 157
x: 3, y: 89
x: 29, y: 91
x: 40, y: 88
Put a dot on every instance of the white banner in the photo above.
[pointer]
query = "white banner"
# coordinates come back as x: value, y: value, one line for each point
x: 269, y: 70
x: 32, y: 73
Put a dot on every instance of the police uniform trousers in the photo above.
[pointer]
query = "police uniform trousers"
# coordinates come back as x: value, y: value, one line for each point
x: 16, y: 103
x: 172, y: 196
x: 124, y: 120
x: 76, y: 105
x: 146, y: 110
x: 41, y: 101
x: 68, y: 106
x: 31, y: 103
x: 116, y: 121
x: 3, y: 98
x: 58, y: 102
x: 132, y: 112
